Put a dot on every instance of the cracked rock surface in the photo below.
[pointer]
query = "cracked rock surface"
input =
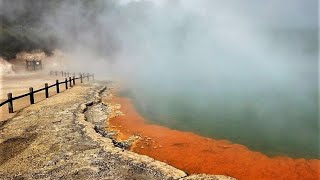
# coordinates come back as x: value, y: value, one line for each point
x: 64, y: 137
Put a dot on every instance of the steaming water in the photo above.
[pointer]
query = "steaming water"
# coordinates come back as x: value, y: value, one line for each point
x: 290, y: 130
x: 273, y: 117
x: 245, y: 71
x: 226, y: 70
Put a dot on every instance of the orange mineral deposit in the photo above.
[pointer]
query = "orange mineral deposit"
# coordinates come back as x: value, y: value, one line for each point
x: 196, y: 154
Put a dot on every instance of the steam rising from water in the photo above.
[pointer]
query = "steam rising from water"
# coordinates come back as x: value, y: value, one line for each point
x: 241, y: 64
x: 206, y: 61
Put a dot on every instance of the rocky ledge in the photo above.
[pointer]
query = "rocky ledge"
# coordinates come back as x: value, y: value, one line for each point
x: 64, y: 137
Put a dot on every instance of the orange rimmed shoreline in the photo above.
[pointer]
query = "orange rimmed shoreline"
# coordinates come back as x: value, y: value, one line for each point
x: 196, y: 154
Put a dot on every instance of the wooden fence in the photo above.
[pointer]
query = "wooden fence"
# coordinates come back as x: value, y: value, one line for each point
x: 68, y: 82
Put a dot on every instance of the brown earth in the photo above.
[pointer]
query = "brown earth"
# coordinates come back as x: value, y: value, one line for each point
x: 61, y: 138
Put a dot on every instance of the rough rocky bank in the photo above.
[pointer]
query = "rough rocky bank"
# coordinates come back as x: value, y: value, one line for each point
x: 63, y: 137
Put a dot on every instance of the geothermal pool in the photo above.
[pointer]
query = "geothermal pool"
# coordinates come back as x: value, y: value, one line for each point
x: 279, y: 128
x: 195, y: 153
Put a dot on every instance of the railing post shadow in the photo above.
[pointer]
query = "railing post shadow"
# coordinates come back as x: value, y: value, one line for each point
x: 10, y: 103
x: 66, y: 82
x: 47, y: 90
x: 57, y: 86
x: 31, y: 95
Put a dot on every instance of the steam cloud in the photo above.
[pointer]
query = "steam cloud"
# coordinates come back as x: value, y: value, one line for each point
x: 229, y: 57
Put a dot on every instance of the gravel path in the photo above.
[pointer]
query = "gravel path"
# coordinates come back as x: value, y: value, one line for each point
x: 63, y: 138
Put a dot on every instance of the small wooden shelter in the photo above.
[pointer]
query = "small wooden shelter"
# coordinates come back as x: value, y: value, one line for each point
x: 33, y: 65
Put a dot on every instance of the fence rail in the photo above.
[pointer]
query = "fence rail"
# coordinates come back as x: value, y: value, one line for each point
x: 68, y: 82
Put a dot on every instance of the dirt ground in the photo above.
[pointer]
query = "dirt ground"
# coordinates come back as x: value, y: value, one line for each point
x: 19, y: 84
x: 51, y: 140
x: 64, y: 137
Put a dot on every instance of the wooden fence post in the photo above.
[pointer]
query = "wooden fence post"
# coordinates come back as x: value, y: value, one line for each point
x: 61, y: 73
x: 74, y: 80
x: 56, y: 73
x: 70, y: 82
x: 31, y: 95
x: 57, y: 86
x: 68, y: 74
x: 10, y: 103
x: 47, y: 90
x: 66, y: 82
x: 81, y: 78
x: 65, y: 74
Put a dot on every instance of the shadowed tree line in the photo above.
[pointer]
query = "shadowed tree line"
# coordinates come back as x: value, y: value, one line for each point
x: 20, y: 27
x: 23, y: 24
x: 103, y: 26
